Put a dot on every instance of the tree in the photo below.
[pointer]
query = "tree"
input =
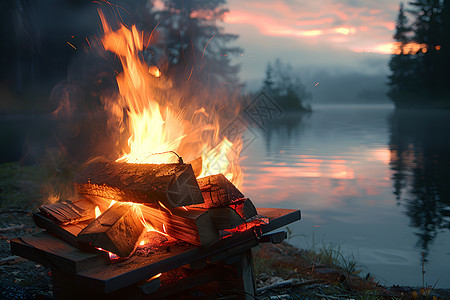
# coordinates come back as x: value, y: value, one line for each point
x: 420, y: 66
x: 402, y: 76
x: 285, y: 87
x: 195, y: 49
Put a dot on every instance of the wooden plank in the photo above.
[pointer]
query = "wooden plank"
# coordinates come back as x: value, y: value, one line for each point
x: 51, y: 251
x: 278, y: 217
x: 173, y: 185
x: 67, y: 232
x: 193, y: 225
x: 116, y: 230
x: 112, y: 277
x: 70, y: 212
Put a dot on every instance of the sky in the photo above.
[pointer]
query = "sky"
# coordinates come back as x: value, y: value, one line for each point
x: 321, y: 39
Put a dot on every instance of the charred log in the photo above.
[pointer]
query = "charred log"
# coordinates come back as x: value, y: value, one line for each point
x: 193, y: 225
x: 116, y: 230
x: 218, y: 191
x: 173, y: 185
x: 70, y: 212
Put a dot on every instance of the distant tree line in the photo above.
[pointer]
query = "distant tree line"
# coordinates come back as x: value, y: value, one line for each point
x: 420, y: 65
x: 285, y: 87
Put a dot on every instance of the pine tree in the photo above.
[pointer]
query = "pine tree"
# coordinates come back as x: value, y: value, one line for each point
x: 400, y: 64
x: 196, y: 48
x: 421, y: 78
x: 285, y: 87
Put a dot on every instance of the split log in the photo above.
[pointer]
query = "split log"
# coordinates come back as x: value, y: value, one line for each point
x: 193, y: 225
x: 197, y: 166
x: 67, y: 232
x: 116, y: 230
x: 173, y: 185
x: 225, y: 217
x: 70, y: 212
x: 218, y: 191
x: 245, y: 208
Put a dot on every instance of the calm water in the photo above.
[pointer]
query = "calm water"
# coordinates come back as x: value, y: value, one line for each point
x: 366, y: 178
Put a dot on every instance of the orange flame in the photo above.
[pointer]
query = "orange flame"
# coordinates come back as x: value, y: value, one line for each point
x: 157, y: 126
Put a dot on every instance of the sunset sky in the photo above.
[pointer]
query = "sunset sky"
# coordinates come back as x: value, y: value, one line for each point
x: 345, y: 36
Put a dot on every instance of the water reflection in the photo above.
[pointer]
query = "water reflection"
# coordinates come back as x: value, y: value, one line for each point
x: 420, y: 161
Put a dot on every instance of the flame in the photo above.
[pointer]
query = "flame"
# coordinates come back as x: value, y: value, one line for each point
x: 97, y: 212
x: 154, y: 71
x: 156, y: 124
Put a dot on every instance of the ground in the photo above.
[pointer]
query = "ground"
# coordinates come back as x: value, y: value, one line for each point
x: 282, y: 271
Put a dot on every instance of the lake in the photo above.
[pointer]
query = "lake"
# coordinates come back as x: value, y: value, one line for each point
x: 370, y: 180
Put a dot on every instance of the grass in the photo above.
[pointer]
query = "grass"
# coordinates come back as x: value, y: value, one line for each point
x: 28, y: 187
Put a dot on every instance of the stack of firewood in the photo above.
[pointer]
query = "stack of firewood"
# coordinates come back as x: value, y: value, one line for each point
x: 171, y: 200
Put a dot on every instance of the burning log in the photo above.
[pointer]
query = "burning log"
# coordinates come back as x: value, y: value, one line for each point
x: 70, y: 212
x: 218, y: 191
x: 172, y: 185
x: 116, y: 230
x: 244, y: 207
x: 197, y: 165
x: 193, y: 225
x: 225, y: 217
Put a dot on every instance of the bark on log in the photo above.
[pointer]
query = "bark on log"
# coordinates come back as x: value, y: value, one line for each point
x: 173, y: 185
x: 218, y: 191
x: 116, y: 230
x: 194, y: 225
x: 70, y: 212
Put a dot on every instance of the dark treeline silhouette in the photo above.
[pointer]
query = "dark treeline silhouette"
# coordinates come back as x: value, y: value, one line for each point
x: 285, y: 87
x: 420, y: 158
x: 420, y: 66
x: 188, y: 45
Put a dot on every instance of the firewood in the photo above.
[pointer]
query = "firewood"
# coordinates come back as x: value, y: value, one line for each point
x: 225, y: 217
x: 244, y: 207
x: 67, y: 232
x: 116, y: 230
x: 193, y: 225
x: 172, y: 185
x: 70, y: 212
x: 218, y: 191
x: 197, y: 166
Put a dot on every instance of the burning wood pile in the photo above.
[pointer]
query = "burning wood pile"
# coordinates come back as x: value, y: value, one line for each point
x: 108, y: 247
x: 145, y: 198
x: 136, y: 198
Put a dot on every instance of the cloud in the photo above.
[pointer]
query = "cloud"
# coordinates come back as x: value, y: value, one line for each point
x: 360, y: 26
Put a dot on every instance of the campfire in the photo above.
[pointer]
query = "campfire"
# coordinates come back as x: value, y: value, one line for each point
x: 149, y: 219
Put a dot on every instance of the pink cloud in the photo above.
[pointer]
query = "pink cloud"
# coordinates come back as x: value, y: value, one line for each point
x: 328, y: 21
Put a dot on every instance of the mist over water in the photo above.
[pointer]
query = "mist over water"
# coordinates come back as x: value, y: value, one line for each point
x: 366, y: 178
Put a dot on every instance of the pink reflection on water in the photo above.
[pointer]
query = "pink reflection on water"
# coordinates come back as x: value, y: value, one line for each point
x: 320, y: 181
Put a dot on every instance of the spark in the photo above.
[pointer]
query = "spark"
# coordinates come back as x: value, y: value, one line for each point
x: 89, y: 44
x: 207, y: 45
x: 151, y: 35
x: 72, y: 46
x: 317, y: 83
